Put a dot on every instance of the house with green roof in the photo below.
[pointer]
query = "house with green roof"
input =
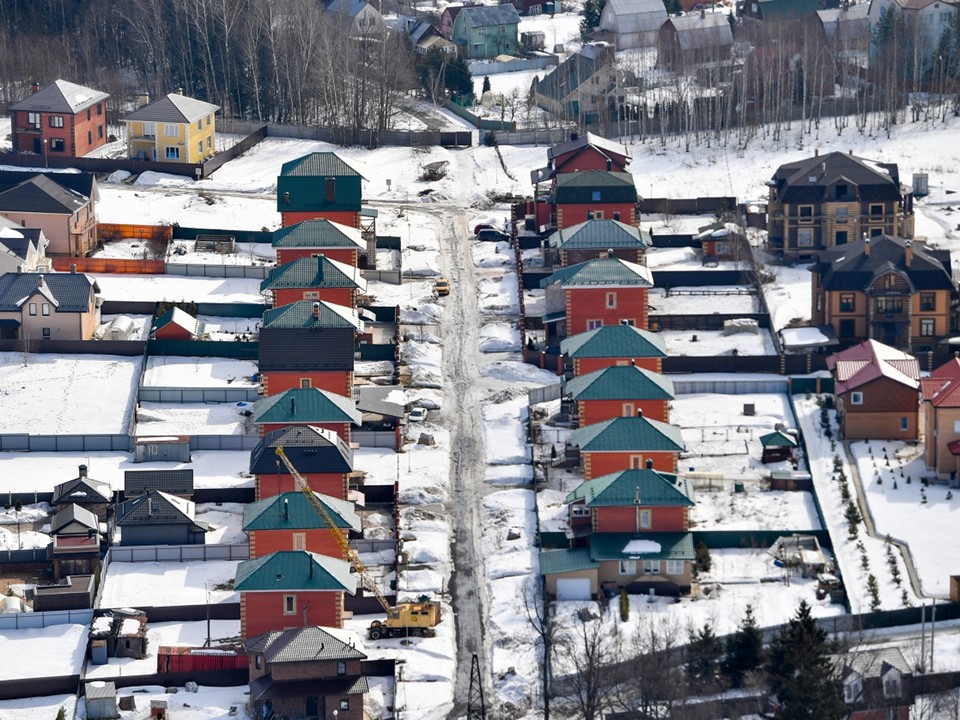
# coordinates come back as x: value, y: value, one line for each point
x: 338, y: 242
x: 307, y: 406
x: 613, y: 345
x: 591, y: 294
x: 625, y: 443
x: 601, y: 194
x: 292, y: 588
x: 314, y: 278
x: 319, y: 185
x: 288, y: 521
x: 307, y: 672
x: 778, y: 446
x: 617, y: 391
x: 596, y: 238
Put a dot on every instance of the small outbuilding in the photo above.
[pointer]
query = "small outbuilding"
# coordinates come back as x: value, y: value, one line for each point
x: 778, y: 446
x: 176, y: 324
x: 101, y: 700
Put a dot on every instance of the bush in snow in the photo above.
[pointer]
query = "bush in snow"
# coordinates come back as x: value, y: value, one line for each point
x: 852, y: 516
x: 703, y: 560
x: 624, y: 605
x: 874, y: 589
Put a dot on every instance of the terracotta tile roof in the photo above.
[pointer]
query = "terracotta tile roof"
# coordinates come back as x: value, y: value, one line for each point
x: 869, y: 361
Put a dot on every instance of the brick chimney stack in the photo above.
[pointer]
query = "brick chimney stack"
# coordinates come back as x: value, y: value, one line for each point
x: 908, y: 253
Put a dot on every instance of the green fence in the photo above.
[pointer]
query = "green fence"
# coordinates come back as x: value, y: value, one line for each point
x: 203, y: 348
x: 812, y: 385
x: 246, y: 236
x: 378, y: 352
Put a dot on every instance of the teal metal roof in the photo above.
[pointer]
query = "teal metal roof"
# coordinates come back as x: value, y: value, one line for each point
x: 601, y: 271
x: 317, y: 234
x: 595, y: 186
x: 649, y: 546
x: 318, y: 164
x: 600, y: 235
x: 292, y: 511
x: 626, y: 434
x: 306, y: 405
x: 787, y: 9
x: 300, y: 315
x: 778, y: 438
x: 294, y: 570
x: 554, y: 562
x: 313, y: 272
x: 614, y: 341
x: 620, y: 382
x: 646, y: 488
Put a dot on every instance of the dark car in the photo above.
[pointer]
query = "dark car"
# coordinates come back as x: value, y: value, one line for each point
x: 482, y: 226
x: 492, y: 235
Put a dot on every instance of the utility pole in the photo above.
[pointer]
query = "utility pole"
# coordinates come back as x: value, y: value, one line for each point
x: 476, y: 708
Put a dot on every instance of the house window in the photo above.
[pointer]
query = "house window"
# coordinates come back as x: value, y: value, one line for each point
x: 876, y: 210
x: 842, y: 191
x: 331, y: 189
x: 643, y: 518
x: 847, y: 328
x: 891, y: 687
x: 306, y: 383
x: 674, y: 567
x: 344, y: 704
x: 172, y: 153
x: 100, y: 132
x: 956, y: 426
x: 851, y: 690
x: 56, y: 121
x: 805, y: 237
x: 806, y: 213
x: 45, y: 309
x: 34, y: 119
x: 598, y: 214
x: 200, y: 148
x: 848, y: 302
x: 595, y: 195
x: 256, y: 661
x: 890, y: 305
x: 209, y: 141
x: 876, y: 231
x: 56, y: 145
x: 856, y: 398
x: 628, y: 410
x: 209, y: 119
x: 149, y: 129
x: 171, y: 130
x: 200, y: 124
x: 299, y: 541
x: 289, y: 604
x: 628, y: 321
x: 33, y: 308
x: 46, y: 333
x: 88, y: 113
x: 928, y: 302
x: 99, y: 108
x: 841, y: 237
x: 611, y: 300
x: 628, y: 567
x: 889, y: 282
x: 842, y: 214
x: 311, y: 294
x: 651, y: 567
x: 927, y: 327
x: 579, y: 510
x: 594, y: 324
x: 341, y: 668
x: 904, y: 424
x: 89, y: 137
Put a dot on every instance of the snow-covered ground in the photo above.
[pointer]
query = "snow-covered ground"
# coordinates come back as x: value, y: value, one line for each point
x: 208, y: 703
x: 52, y: 651
x: 194, y: 372
x: 195, y: 419
x: 37, y: 708
x: 714, y: 342
x: 175, y: 288
x: 164, y: 584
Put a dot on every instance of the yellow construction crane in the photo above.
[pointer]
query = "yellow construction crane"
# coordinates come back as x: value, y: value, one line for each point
x: 407, y: 618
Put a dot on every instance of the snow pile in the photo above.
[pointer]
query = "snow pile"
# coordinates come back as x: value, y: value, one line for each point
x: 504, y: 432
x: 499, y: 337
x: 499, y: 296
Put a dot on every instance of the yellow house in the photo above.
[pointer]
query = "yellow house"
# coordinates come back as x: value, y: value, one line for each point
x: 174, y: 128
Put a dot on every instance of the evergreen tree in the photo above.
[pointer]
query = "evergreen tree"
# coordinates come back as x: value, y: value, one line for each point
x: 743, y: 650
x: 486, y: 83
x: 592, y: 9
x: 802, y: 675
x: 703, y: 657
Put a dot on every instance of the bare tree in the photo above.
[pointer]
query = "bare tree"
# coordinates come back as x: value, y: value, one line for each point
x: 538, y: 615
x: 589, y: 648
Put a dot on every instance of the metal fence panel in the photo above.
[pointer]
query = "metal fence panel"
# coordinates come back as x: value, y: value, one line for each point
x: 741, y: 386
x: 256, y: 272
x: 373, y: 438
x: 33, y: 620
x: 544, y: 394
x: 223, y: 442
x: 177, y: 553
x: 202, y: 395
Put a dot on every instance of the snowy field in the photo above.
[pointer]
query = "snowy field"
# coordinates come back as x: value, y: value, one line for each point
x: 198, y: 372
x: 678, y: 303
x: 184, y: 252
x: 714, y: 342
x: 38, y: 708
x: 43, y: 652
x: 165, y: 584
x: 194, y: 419
x: 208, y: 703
x: 78, y: 383
x: 154, y: 288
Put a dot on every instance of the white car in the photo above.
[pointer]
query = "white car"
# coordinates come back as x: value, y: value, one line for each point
x: 418, y: 414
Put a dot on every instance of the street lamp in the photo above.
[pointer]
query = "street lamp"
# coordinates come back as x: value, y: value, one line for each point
x: 45, y: 163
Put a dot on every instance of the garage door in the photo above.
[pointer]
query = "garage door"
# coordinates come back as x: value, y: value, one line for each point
x: 573, y: 589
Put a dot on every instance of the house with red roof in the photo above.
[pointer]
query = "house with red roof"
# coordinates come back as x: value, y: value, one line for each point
x: 940, y: 407
x: 877, y: 390
x: 582, y: 152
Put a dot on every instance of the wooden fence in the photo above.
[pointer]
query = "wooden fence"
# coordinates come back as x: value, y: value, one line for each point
x: 120, y: 266
x: 117, y: 231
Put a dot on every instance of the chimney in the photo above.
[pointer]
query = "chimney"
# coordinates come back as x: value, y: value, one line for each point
x: 40, y: 281
x: 609, y: 252
x: 573, y: 136
x: 609, y: 164
x: 179, y: 91
x: 83, y: 471
x: 143, y: 99
x: 649, y: 464
x: 866, y: 245
x: 293, y: 405
x: 816, y: 152
x: 633, y: 362
x: 850, y: 152
x: 35, y: 87
x: 616, y: 215
x: 908, y: 253
x: 310, y: 563
x: 589, y: 215
x: 636, y: 495
x: 639, y: 412
x: 73, y: 268
x: 286, y: 509
x: 316, y: 311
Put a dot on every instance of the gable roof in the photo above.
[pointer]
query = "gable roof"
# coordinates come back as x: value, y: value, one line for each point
x: 778, y: 438
x: 595, y: 186
x: 313, y: 272
x: 846, y: 23
x: 158, y: 508
x: 310, y: 449
x: 614, y: 341
x: 620, y: 382
x: 295, y: 570
x: 173, y: 108
x: 647, y: 488
x: 633, y: 16
x: 554, y: 562
x: 18, y: 242
x: 300, y: 314
x: 623, y: 434
x: 304, y: 644
x: 869, y: 361
x: 74, y: 513
x: 612, y: 272
x: 942, y: 388
x: 179, y: 482
x: 697, y: 32
x: 82, y: 183
x: 306, y: 405
x: 61, y: 97
x: 180, y: 318
x: 588, y: 139
x: 350, y: 8
x: 317, y: 234
x: 599, y: 234
x: 856, y: 265
x: 40, y: 194
x: 293, y: 511
x: 486, y: 15
x: 68, y: 292
x: 318, y: 164
x: 787, y: 9
x: 875, y: 662
x: 576, y: 70
x: 82, y: 490
x: 807, y: 180
x: 648, y: 546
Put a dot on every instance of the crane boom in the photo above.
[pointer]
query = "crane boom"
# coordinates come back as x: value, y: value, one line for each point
x: 351, y: 555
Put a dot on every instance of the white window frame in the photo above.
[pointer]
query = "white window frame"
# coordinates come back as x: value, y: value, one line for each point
x: 32, y: 309
x: 56, y: 121
x: 651, y: 567
x: 149, y: 129
x: 579, y: 510
x: 645, y: 519
x: 675, y: 567
x: 856, y: 398
x: 805, y: 237
x: 628, y: 567
x: 636, y: 462
x: 289, y: 604
x: 311, y: 295
x: 299, y: 540
x: 45, y: 309
x: 171, y: 130
x: 611, y: 300
x: 35, y: 119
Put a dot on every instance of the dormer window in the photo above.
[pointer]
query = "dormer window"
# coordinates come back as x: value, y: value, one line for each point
x: 842, y: 191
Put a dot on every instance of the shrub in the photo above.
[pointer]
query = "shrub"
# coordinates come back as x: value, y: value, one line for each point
x: 624, y: 605
x: 703, y: 557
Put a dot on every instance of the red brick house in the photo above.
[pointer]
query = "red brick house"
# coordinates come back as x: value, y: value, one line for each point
x: 589, y: 295
x: 618, y: 391
x: 877, y: 388
x: 319, y: 185
x: 321, y: 456
x: 308, y: 344
x: 613, y: 345
x: 306, y: 672
x: 582, y: 152
x: 626, y: 443
x: 61, y: 120
x: 941, y: 419
x: 289, y: 522
x: 314, y: 278
x: 291, y: 589
x: 337, y: 242
x: 597, y: 238
x: 307, y: 406
x: 600, y: 194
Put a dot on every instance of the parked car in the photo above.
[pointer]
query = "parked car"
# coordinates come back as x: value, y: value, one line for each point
x: 493, y: 235
x: 482, y: 226
x: 442, y: 287
x: 418, y: 414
